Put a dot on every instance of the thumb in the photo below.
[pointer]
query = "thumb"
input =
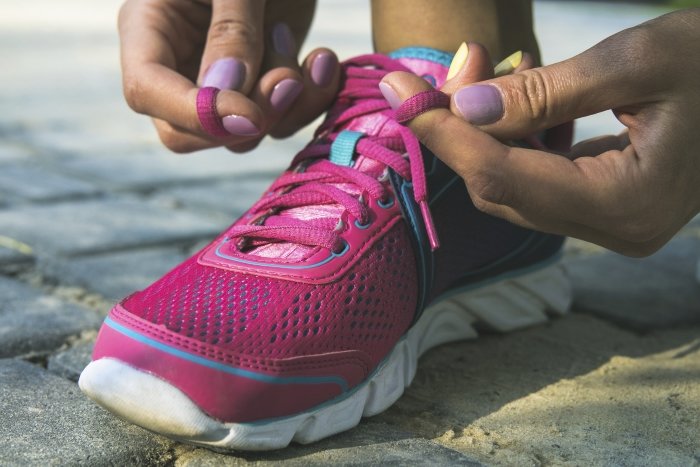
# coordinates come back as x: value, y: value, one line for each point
x: 517, y: 105
x: 234, y: 49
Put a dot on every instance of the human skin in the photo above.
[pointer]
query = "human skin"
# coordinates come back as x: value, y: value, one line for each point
x: 502, y: 26
x: 167, y: 47
x: 630, y: 193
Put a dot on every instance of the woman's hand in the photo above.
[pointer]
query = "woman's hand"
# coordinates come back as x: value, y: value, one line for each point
x: 246, y: 48
x: 630, y: 193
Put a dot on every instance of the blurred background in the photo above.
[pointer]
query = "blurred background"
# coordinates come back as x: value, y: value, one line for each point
x: 60, y: 81
x: 92, y: 207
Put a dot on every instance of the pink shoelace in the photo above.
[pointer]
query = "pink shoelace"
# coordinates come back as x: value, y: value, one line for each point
x: 315, y: 179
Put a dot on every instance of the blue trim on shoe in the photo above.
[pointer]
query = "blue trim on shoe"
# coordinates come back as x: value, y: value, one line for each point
x: 225, y: 368
x: 423, y: 53
x: 343, y: 147
x: 368, y: 379
x: 419, y: 240
x: 218, y: 253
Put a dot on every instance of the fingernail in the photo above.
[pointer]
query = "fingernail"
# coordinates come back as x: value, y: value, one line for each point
x: 225, y: 73
x: 509, y: 64
x: 458, y: 61
x: 390, y: 95
x: 284, y: 93
x: 241, y: 126
x: 283, y: 40
x: 480, y: 104
x: 323, y: 68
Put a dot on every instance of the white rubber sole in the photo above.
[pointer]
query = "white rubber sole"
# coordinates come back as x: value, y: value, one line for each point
x: 152, y: 403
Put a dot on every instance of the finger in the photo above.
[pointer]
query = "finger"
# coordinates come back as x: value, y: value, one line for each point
x: 321, y: 80
x: 508, y: 64
x: 235, y: 43
x: 527, y: 62
x: 523, y: 103
x: 153, y: 87
x: 470, y: 64
x: 278, y: 88
x: 181, y: 141
x: 532, y: 188
x: 164, y: 94
x: 275, y: 92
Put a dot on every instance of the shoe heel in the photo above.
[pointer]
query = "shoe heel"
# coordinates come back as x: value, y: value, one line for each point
x: 519, y: 302
x: 505, y: 305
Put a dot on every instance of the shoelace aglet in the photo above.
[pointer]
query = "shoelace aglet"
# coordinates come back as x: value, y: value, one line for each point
x: 429, y: 225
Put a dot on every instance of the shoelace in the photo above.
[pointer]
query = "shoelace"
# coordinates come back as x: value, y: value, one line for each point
x: 314, y: 179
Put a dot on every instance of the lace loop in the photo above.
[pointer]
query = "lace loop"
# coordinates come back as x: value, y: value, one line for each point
x: 316, y: 181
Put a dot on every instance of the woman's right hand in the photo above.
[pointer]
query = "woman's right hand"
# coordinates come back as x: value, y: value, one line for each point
x: 246, y: 48
x: 630, y: 193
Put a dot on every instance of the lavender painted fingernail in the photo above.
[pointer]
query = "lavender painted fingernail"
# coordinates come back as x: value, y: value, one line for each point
x: 284, y: 93
x: 480, y: 104
x: 323, y: 68
x: 241, y: 126
x: 390, y: 95
x: 225, y: 73
x: 283, y: 40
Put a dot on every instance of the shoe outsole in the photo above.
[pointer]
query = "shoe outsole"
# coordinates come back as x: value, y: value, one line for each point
x: 153, y: 403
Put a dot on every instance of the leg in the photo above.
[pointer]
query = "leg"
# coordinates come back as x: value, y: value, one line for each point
x: 503, y: 26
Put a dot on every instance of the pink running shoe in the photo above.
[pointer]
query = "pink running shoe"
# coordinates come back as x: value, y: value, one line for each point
x: 312, y: 309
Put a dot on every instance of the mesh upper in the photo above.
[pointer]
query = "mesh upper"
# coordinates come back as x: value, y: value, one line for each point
x: 369, y: 308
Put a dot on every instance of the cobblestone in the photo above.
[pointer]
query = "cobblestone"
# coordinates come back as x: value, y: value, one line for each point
x: 22, y: 181
x: 32, y: 322
x: 101, y: 225
x: 371, y: 444
x: 71, y: 362
x: 47, y: 421
x: 229, y: 198
x: 154, y: 166
x: 115, y: 275
x: 12, y: 260
x: 10, y: 152
x: 641, y: 294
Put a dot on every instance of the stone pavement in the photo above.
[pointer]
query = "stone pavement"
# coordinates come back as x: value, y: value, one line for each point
x: 92, y: 208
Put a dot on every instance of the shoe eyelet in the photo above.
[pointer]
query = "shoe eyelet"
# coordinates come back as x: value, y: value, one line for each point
x: 341, y: 251
x: 386, y: 204
x: 430, y: 79
x: 363, y: 226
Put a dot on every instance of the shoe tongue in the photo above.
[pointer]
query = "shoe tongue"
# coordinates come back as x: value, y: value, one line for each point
x: 432, y: 65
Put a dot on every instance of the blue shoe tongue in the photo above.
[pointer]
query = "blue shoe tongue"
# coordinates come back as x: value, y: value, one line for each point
x: 436, y: 56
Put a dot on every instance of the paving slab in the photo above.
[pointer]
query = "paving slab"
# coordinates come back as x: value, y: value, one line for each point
x: 115, y: 275
x: 70, y: 363
x: 578, y: 391
x: 104, y: 224
x: 33, y: 322
x: 47, y: 421
x: 14, y: 152
x: 370, y: 444
x: 11, y: 259
x: 641, y: 294
x: 36, y: 183
x: 151, y: 165
x: 229, y: 198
